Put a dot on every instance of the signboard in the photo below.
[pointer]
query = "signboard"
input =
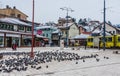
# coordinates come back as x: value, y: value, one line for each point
x: 12, y: 35
x: 39, y: 32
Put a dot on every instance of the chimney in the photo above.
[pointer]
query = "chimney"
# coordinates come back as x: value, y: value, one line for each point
x: 14, y: 7
x: 7, y: 6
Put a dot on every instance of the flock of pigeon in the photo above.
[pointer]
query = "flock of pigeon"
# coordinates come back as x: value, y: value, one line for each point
x: 20, y: 61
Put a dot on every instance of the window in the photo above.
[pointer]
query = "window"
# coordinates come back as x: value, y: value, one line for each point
x: 102, y: 39
x: 43, y: 34
x: 19, y: 15
x: 118, y: 39
x: 110, y: 31
x: 113, y: 32
x: 29, y: 29
x: 13, y: 15
x: 1, y: 26
x: 21, y: 27
x: 5, y: 26
x: 8, y: 27
x: 46, y: 35
x: 1, y: 41
x: 90, y: 40
x: 62, y: 32
x: 109, y: 39
x: 66, y: 32
x: 60, y: 22
x: 48, y: 29
x: 11, y: 27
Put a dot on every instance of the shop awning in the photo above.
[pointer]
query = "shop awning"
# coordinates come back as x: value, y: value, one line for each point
x: 45, y: 39
x: 40, y: 36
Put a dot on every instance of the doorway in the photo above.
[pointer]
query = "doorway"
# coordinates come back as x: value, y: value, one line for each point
x: 9, y: 41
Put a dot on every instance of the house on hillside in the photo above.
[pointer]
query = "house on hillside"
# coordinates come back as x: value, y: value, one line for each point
x: 69, y: 30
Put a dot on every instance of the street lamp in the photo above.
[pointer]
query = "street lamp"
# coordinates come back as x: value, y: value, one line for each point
x: 104, y: 16
x: 32, y: 53
x: 67, y: 9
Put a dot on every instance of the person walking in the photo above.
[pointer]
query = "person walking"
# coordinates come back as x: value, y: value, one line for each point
x: 99, y: 44
x: 14, y: 45
x: 85, y: 44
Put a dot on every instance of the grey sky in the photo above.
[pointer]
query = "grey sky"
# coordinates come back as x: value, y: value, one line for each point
x: 49, y: 10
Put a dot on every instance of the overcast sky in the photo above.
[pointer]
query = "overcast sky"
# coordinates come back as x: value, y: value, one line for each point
x: 49, y: 10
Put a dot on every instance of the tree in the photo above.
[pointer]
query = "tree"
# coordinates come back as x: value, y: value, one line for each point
x: 74, y: 20
x: 82, y: 22
x: 109, y: 23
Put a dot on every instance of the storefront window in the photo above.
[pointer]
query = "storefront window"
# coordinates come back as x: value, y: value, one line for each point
x: 27, y: 42
x: 15, y: 40
x: 1, y: 42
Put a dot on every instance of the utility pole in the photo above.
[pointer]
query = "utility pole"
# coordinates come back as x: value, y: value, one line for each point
x: 104, y: 16
x: 32, y: 53
x: 67, y: 10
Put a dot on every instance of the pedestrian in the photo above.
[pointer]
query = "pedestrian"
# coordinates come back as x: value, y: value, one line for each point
x: 85, y: 44
x: 14, y: 45
x: 43, y: 44
x: 99, y: 44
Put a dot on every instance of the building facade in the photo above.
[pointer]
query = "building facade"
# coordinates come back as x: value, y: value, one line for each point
x: 15, y: 28
x: 12, y: 12
x: 46, y: 31
x: 69, y: 30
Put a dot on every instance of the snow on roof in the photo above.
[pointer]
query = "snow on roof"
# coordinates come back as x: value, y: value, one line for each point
x: 69, y: 24
x: 44, y: 26
x: 81, y: 36
x: 66, y: 25
x: 96, y: 31
x: 106, y: 33
x: 13, y: 21
x: 40, y: 36
x: 57, y: 31
x: 88, y: 28
x: 15, y: 32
